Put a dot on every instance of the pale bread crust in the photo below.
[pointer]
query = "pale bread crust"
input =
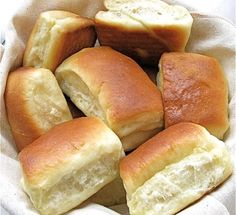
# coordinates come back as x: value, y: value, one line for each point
x: 34, y: 104
x: 69, y: 30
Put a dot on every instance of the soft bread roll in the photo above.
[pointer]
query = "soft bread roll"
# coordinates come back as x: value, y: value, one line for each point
x: 34, y: 104
x: 70, y: 163
x: 143, y: 29
x: 111, y: 194
x: 194, y: 89
x: 173, y: 169
x: 55, y: 36
x: 107, y: 84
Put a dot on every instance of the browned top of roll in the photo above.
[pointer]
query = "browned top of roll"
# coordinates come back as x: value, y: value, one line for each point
x: 53, y: 150
x: 122, y: 87
x: 194, y: 89
x: 168, y: 146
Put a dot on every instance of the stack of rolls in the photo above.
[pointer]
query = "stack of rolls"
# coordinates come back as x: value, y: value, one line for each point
x: 117, y: 136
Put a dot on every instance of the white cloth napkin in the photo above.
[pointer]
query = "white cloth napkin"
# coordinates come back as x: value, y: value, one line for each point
x: 210, y: 35
x: 225, y: 8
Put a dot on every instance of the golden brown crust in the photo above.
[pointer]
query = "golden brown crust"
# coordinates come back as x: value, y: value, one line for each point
x: 22, y: 86
x: 143, y: 30
x: 124, y: 96
x: 73, y: 41
x: 137, y: 43
x: 194, y: 89
x: 16, y: 106
x: 173, y: 169
x: 125, y: 90
x: 166, y: 147
x: 58, y: 144
x: 69, y: 30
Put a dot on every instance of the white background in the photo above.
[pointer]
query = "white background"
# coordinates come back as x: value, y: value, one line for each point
x: 225, y: 8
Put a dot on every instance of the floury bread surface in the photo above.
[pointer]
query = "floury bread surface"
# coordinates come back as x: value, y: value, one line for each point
x: 194, y: 89
x: 70, y: 163
x: 105, y: 83
x: 34, y: 104
x: 143, y: 29
x: 55, y: 36
x: 173, y: 169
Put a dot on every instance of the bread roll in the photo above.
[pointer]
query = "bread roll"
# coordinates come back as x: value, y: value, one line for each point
x: 194, y: 89
x: 173, y: 169
x: 143, y: 29
x: 34, y: 104
x: 55, y: 36
x: 70, y: 163
x: 107, y: 84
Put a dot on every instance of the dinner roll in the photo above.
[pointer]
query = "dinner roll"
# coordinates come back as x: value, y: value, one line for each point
x: 173, y: 169
x: 107, y: 84
x: 143, y: 29
x: 55, y: 36
x: 34, y: 104
x: 69, y: 163
x: 194, y: 89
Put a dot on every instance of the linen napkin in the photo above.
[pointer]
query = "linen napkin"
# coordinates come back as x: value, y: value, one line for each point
x: 211, y: 35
